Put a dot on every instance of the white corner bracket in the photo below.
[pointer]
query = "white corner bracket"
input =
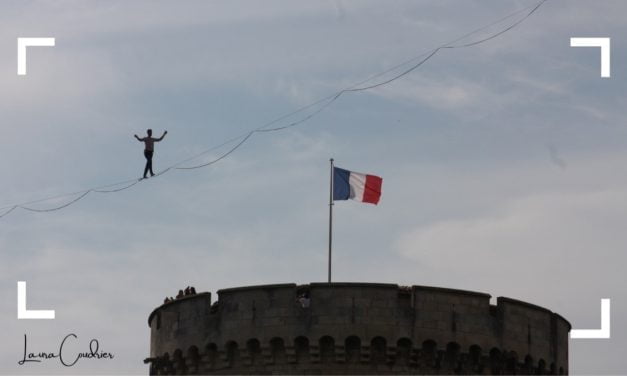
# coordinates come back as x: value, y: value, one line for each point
x: 604, y: 43
x: 22, y: 43
x: 604, y: 332
x: 23, y: 313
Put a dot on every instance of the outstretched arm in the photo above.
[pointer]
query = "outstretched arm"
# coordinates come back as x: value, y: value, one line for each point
x: 162, y: 136
x: 138, y: 139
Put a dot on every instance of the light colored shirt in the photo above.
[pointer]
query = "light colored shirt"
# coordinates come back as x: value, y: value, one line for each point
x: 304, y: 302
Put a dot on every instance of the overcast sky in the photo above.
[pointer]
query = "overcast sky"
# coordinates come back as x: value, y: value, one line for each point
x: 503, y: 164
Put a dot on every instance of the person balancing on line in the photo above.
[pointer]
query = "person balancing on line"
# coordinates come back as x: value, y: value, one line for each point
x: 149, y: 149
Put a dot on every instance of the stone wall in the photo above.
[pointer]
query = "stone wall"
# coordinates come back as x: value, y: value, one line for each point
x: 355, y: 328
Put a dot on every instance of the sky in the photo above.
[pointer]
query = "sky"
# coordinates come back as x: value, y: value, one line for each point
x: 503, y: 164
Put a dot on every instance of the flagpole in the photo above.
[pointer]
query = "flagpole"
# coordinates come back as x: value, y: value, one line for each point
x: 330, y: 216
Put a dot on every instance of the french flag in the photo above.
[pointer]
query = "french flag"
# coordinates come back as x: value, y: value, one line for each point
x: 356, y: 186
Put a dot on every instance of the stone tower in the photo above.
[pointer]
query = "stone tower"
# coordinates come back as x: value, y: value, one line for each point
x: 355, y: 328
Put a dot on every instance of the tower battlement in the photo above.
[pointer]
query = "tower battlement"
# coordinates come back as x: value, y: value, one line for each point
x: 355, y: 328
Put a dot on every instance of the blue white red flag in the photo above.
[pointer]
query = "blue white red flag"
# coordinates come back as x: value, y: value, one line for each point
x: 356, y: 186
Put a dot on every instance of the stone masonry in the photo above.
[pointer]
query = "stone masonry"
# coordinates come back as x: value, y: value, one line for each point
x: 355, y: 328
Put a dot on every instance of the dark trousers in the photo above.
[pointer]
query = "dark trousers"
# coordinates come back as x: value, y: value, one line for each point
x: 148, y: 154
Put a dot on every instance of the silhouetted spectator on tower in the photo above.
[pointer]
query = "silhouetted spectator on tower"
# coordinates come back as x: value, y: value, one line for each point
x: 304, y: 300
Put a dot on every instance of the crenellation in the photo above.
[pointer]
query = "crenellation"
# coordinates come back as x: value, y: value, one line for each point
x: 355, y: 328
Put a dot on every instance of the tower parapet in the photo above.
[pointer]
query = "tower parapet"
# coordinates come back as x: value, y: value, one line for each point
x: 355, y: 328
